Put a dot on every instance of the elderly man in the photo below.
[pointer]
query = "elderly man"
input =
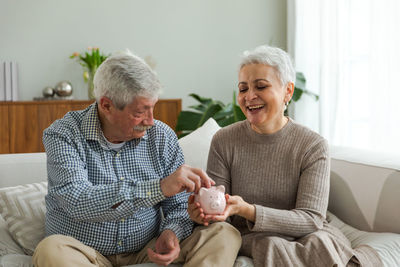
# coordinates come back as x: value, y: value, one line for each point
x: 111, y: 169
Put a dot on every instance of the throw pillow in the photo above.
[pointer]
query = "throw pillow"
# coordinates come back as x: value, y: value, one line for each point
x: 7, y: 244
x: 23, y: 209
x: 196, y: 145
x: 387, y: 245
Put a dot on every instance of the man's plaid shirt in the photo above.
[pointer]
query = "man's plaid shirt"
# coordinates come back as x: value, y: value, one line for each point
x: 86, y: 180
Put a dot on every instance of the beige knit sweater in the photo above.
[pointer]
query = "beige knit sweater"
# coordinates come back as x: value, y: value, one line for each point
x: 286, y: 176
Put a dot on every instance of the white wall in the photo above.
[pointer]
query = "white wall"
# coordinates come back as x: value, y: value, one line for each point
x: 195, y: 44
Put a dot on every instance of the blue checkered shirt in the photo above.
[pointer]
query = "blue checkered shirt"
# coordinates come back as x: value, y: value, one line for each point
x: 85, y: 181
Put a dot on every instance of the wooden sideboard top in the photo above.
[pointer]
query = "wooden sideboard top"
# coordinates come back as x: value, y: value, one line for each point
x: 79, y: 101
x: 46, y: 102
x: 23, y: 122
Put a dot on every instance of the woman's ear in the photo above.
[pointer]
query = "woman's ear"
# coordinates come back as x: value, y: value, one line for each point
x: 289, y: 90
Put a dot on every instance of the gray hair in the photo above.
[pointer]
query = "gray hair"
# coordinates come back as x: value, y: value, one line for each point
x: 274, y: 57
x: 124, y: 76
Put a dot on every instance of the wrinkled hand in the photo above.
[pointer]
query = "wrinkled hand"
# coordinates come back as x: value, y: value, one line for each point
x: 195, y: 211
x: 167, y: 249
x: 185, y: 178
x: 234, y: 205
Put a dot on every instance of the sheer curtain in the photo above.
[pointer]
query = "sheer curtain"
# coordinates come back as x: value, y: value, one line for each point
x: 349, y: 51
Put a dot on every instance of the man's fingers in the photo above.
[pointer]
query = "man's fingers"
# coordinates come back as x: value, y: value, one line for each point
x: 205, y: 179
x: 189, y: 185
x: 160, y: 259
x: 171, y: 244
x: 191, y: 199
x: 196, y: 181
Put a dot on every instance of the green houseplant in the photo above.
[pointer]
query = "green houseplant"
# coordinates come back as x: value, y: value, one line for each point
x: 300, y: 89
x: 90, y: 61
x: 225, y: 114
x: 189, y: 121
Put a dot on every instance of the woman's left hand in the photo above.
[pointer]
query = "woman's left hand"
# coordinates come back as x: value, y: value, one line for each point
x: 195, y: 211
x: 235, y: 205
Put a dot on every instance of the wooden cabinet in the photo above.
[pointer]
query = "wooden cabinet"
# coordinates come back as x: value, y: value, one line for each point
x: 22, y: 123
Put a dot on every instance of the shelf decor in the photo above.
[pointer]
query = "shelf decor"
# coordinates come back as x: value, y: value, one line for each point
x: 90, y: 61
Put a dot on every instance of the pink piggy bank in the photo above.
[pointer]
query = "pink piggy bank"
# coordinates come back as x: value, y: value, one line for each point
x: 212, y: 200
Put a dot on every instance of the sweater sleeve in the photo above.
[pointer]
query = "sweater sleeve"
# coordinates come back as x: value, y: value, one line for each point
x: 311, y: 201
x: 217, y: 164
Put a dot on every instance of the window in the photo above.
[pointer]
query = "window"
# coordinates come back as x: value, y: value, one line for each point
x: 349, y: 51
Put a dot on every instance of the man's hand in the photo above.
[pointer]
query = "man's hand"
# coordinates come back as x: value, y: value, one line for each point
x: 167, y: 249
x: 195, y: 211
x: 185, y: 178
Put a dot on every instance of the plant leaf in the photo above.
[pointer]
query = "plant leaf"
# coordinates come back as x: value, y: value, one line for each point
x: 297, y: 94
x: 300, y: 81
x: 226, y: 111
x: 199, y: 107
x: 316, y: 97
x: 226, y: 121
x: 238, y: 114
x: 211, y: 110
x: 202, y: 100
x: 188, y: 120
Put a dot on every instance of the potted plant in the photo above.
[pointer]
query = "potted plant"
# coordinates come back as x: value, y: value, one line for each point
x: 90, y: 61
x: 189, y: 121
x: 300, y: 89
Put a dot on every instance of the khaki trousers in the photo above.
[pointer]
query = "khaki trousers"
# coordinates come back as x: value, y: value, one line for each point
x: 215, y: 245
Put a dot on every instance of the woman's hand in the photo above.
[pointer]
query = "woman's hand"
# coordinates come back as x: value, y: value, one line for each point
x: 195, y: 211
x: 235, y: 205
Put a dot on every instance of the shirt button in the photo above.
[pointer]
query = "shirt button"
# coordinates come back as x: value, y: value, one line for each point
x: 120, y: 243
x: 148, y: 193
x: 117, y: 155
x: 122, y: 178
x: 122, y: 220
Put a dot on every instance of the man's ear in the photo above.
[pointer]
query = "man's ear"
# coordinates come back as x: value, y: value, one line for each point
x: 289, y: 90
x: 105, y: 104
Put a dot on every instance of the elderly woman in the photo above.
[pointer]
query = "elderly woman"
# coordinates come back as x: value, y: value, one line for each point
x: 276, y: 173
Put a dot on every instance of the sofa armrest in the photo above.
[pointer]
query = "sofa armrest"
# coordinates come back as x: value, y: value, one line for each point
x: 364, y: 189
x: 22, y: 168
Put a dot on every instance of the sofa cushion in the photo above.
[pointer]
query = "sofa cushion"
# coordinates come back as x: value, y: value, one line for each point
x: 7, y: 244
x: 16, y: 260
x: 23, y: 209
x: 196, y: 145
x: 387, y: 245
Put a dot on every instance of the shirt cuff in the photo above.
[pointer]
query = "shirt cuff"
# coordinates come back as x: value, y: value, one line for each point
x: 150, y: 192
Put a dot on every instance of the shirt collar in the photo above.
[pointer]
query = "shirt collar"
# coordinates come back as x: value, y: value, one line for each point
x: 91, y: 127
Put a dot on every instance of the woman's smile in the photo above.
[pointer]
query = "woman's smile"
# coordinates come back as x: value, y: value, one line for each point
x: 254, y: 109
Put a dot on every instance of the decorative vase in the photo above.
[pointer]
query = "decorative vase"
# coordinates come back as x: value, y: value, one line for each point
x: 91, y: 73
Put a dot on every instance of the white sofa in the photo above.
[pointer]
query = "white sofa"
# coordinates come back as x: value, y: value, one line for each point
x: 364, y: 195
